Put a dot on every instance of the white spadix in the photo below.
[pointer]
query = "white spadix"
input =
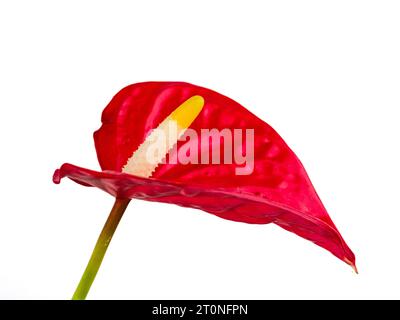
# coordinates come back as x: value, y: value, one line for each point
x: 171, y: 128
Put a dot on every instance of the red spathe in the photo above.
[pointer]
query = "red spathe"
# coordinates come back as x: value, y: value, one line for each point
x: 277, y: 191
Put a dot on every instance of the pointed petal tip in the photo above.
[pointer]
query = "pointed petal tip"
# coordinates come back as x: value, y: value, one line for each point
x: 354, y: 268
x: 352, y: 264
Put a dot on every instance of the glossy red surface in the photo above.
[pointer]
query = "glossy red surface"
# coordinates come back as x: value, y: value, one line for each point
x: 278, y: 190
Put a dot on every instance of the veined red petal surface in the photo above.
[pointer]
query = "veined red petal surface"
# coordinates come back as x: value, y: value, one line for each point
x: 278, y: 190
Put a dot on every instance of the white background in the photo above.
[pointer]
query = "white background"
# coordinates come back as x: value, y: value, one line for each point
x: 324, y: 74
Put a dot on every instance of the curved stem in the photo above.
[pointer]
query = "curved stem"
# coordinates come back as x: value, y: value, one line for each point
x: 100, y: 249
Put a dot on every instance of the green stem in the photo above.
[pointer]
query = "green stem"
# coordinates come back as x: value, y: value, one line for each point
x: 100, y: 249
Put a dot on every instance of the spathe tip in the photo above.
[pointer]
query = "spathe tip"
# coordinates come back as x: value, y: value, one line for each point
x: 352, y: 264
x: 354, y: 268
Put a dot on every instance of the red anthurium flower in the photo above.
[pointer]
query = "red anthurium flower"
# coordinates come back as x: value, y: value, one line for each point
x: 259, y: 180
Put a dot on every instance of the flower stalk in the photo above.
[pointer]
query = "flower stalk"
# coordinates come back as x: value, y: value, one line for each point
x: 100, y: 249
